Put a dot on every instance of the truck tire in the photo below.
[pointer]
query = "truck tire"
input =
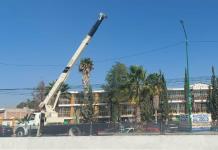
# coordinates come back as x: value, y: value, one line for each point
x: 20, y: 132
x: 74, y: 132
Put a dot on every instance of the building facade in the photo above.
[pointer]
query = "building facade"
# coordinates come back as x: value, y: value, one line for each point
x: 9, y: 116
x: 177, y: 101
x: 102, y: 109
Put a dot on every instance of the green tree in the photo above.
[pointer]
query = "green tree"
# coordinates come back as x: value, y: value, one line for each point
x: 164, y: 105
x: 85, y: 67
x: 39, y: 94
x: 155, y: 85
x: 146, y: 104
x: 213, y: 97
x: 136, y: 82
x: 116, y: 88
x: 87, y: 110
x: 64, y: 89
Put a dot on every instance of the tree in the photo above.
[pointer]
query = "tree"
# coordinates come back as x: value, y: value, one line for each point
x: 146, y: 104
x: 164, y: 105
x: 39, y: 94
x: 87, y: 110
x: 28, y: 103
x: 213, y: 97
x: 136, y: 81
x: 154, y: 82
x: 85, y: 67
x: 116, y: 88
x: 64, y: 89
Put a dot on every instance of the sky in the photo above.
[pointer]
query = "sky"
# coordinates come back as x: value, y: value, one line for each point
x: 37, y: 39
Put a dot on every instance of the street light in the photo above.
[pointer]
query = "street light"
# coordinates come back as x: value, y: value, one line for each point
x: 187, y: 66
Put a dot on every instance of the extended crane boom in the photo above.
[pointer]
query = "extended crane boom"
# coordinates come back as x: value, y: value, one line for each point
x: 63, y: 76
x: 47, y: 119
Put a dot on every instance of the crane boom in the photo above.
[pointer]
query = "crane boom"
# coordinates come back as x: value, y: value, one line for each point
x: 64, y: 75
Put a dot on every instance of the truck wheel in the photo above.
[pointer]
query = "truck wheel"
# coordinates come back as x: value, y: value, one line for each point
x: 74, y: 132
x: 20, y: 132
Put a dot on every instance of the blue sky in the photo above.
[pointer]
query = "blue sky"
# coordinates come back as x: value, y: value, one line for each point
x: 37, y: 38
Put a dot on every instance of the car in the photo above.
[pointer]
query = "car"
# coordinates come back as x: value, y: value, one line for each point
x: 152, y: 128
x: 5, y: 131
x: 129, y: 130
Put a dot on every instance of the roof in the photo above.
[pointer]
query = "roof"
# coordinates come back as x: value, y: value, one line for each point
x: 196, y: 86
x: 94, y: 91
x: 2, y: 110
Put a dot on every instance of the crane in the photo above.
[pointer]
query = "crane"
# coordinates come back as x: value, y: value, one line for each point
x: 47, y: 115
x: 55, y: 91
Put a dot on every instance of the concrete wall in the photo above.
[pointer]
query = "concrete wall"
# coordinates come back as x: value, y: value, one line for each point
x: 167, y: 142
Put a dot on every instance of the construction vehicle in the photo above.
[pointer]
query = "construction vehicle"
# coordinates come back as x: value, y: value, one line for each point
x: 47, y: 120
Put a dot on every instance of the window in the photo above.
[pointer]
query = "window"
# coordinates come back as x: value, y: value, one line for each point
x: 64, y: 112
x: 104, y: 110
x: 127, y: 109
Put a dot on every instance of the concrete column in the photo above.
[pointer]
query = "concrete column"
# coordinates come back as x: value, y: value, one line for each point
x: 72, y: 110
x: 1, y: 120
x: 96, y: 101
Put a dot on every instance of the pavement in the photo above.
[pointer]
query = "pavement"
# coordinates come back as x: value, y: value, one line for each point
x: 146, y: 142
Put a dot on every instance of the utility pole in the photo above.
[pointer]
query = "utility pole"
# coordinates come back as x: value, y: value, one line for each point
x: 187, y: 66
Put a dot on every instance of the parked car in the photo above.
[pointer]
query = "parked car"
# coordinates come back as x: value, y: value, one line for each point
x: 152, y: 128
x: 129, y: 130
x: 5, y: 131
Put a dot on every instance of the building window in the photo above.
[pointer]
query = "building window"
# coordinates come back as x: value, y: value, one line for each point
x: 104, y: 110
x: 64, y: 101
x: 127, y: 109
x: 64, y: 112
x: 173, y: 107
x: 176, y: 95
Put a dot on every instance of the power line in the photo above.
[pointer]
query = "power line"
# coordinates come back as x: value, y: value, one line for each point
x: 29, y: 65
x: 116, y: 58
x: 100, y: 61
x: 204, y: 41
x: 142, y: 52
x: 174, y: 80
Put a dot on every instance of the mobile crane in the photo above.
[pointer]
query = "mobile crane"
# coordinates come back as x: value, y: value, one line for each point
x: 47, y: 120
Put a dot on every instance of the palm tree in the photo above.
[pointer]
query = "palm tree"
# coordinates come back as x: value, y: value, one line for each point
x: 154, y: 82
x: 65, y: 95
x: 64, y: 89
x: 136, y: 78
x: 85, y: 67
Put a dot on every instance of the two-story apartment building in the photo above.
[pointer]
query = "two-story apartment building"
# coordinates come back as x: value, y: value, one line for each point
x: 102, y: 109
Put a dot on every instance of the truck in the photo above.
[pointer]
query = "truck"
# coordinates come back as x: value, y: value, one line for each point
x: 47, y: 121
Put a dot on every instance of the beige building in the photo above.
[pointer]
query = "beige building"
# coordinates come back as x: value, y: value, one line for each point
x: 199, y: 94
x: 9, y: 116
x: 102, y: 108
x: 70, y: 107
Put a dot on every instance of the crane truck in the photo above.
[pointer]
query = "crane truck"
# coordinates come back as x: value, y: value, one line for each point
x: 47, y: 120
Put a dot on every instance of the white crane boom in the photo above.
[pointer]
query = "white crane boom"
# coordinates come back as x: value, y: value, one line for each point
x: 64, y: 75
